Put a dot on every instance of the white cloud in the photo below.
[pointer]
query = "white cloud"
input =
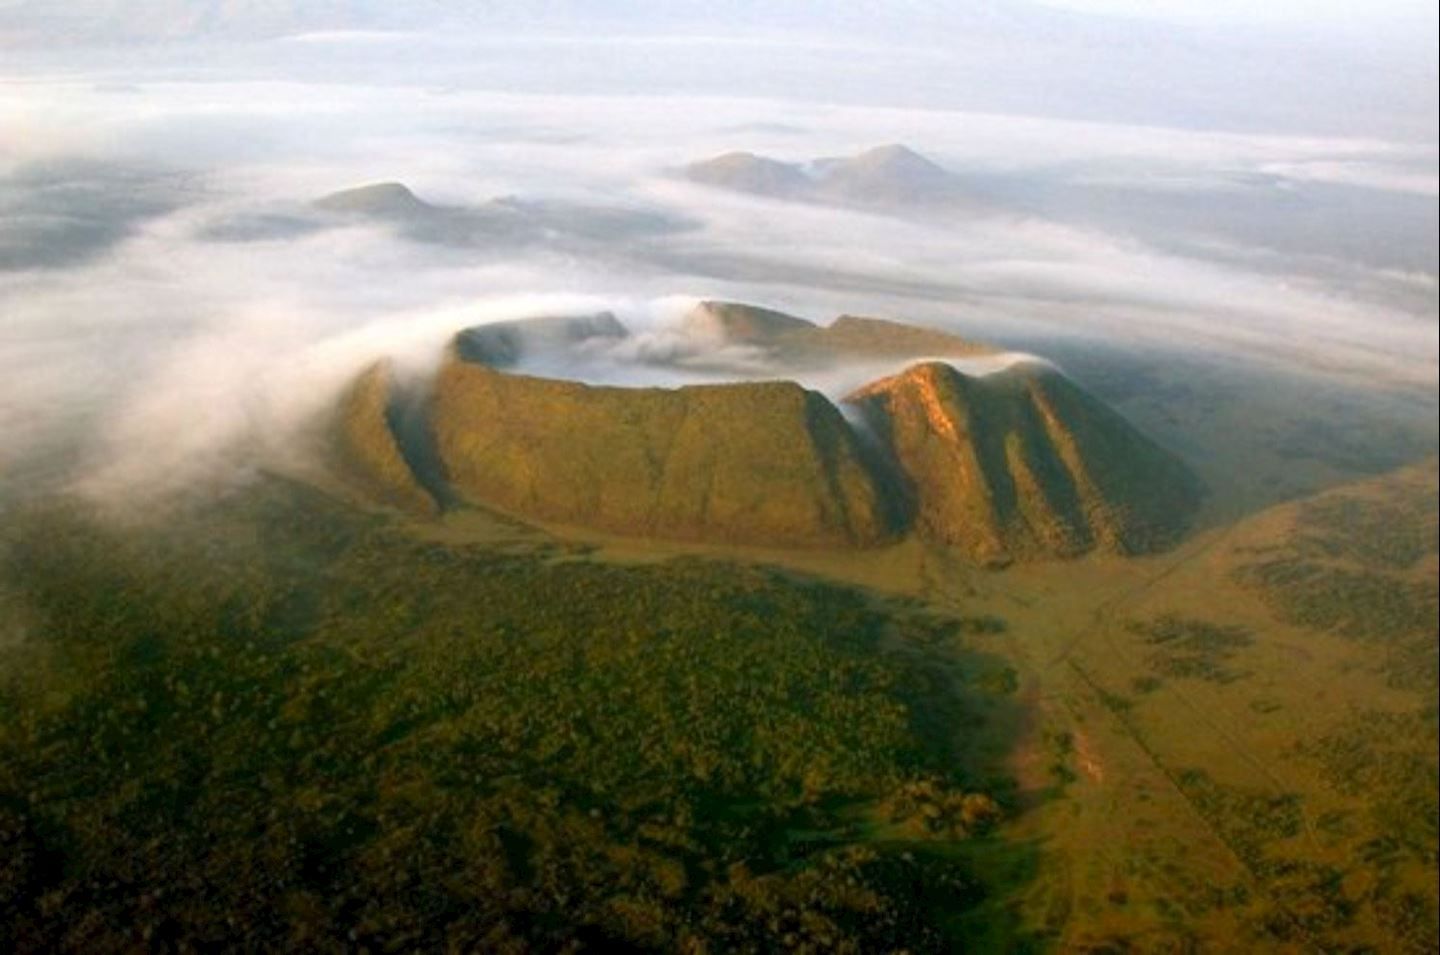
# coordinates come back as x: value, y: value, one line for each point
x: 169, y: 356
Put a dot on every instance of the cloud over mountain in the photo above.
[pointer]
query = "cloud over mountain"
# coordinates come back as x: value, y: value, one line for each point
x: 174, y: 301
x: 1008, y: 462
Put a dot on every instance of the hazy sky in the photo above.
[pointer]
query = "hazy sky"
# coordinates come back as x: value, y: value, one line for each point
x: 1320, y: 67
x: 171, y: 299
x: 1271, y: 11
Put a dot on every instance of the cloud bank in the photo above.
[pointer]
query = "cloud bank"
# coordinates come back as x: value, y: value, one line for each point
x: 175, y: 306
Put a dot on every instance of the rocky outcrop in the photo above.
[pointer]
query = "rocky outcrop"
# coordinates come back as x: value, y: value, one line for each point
x: 1022, y: 463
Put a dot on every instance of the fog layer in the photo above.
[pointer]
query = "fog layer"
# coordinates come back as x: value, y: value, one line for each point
x: 178, y: 299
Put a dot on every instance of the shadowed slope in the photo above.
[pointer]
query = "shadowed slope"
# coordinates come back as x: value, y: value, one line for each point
x: 369, y: 450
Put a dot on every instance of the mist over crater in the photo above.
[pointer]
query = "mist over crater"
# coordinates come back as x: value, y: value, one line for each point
x: 723, y: 438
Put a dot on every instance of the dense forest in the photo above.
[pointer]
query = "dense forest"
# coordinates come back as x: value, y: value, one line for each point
x: 275, y: 723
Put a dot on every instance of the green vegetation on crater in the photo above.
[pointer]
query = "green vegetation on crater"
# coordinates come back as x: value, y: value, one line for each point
x: 765, y: 462
x: 1010, y: 465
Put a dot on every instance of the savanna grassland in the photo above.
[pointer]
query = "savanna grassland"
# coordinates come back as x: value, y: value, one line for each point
x: 279, y: 721
x: 1247, y: 737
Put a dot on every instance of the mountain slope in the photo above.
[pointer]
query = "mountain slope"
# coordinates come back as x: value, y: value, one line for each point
x: 368, y: 448
x: 1011, y: 465
x: 765, y: 463
x: 860, y: 335
x: 1023, y: 463
x: 744, y: 324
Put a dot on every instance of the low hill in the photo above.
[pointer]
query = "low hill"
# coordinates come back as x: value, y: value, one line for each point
x: 747, y: 172
x: 390, y: 200
x: 1360, y: 561
x: 744, y: 324
x: 804, y: 342
x: 503, y: 224
x: 760, y: 463
x: 1023, y: 463
x: 886, y: 174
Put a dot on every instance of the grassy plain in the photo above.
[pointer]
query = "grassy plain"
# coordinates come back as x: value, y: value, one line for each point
x: 1228, y: 745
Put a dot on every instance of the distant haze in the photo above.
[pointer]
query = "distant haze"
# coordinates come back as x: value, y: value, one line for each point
x: 176, y: 294
x: 1336, y: 68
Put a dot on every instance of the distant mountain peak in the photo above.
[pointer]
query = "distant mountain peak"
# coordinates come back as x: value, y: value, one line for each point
x: 894, y: 154
x: 380, y: 198
x: 891, y: 174
x: 747, y: 172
